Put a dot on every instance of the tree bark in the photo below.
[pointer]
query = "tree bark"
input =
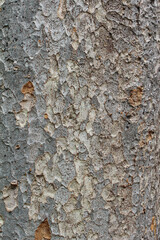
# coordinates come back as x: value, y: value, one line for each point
x: 79, y: 82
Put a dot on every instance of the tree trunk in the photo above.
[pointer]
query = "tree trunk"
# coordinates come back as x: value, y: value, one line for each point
x: 79, y: 120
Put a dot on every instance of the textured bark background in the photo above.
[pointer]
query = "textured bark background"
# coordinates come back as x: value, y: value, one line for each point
x: 79, y: 120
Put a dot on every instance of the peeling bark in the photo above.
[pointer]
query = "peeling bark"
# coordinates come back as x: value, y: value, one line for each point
x: 79, y: 92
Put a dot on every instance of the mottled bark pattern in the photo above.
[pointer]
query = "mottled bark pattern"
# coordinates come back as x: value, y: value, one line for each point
x: 79, y: 122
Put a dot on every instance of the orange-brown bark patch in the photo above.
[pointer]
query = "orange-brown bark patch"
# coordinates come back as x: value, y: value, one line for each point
x: 43, y: 231
x: 46, y: 116
x: 135, y: 98
x: 28, y: 88
x: 153, y: 225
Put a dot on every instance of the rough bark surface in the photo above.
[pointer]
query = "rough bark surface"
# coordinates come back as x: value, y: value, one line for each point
x: 79, y: 120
